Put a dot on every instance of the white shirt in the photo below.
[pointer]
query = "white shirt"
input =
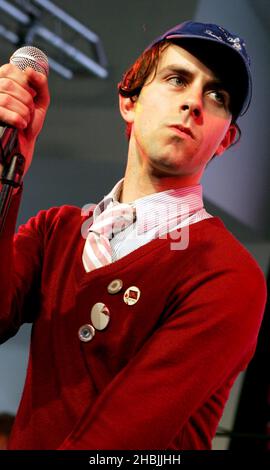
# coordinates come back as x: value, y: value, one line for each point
x: 157, y: 215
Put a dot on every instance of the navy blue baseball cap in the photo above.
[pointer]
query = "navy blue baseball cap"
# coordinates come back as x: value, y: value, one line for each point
x: 223, y: 52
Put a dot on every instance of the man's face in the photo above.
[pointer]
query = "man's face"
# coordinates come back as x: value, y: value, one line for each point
x: 181, y: 117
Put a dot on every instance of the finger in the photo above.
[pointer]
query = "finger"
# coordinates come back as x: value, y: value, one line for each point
x: 10, y: 107
x: 13, y: 89
x: 13, y: 73
x: 35, y: 83
x: 12, y: 118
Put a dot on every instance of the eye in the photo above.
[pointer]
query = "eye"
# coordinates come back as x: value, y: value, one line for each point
x: 220, y: 96
x: 177, y: 81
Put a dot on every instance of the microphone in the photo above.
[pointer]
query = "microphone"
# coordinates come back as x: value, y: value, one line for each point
x: 27, y: 56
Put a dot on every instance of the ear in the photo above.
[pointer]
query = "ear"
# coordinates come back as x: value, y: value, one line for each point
x: 227, y: 140
x: 127, y: 108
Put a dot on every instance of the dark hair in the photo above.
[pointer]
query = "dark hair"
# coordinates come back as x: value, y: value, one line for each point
x: 135, y: 77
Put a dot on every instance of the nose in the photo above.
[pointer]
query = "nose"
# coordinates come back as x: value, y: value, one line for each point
x: 192, y: 103
x: 193, y: 108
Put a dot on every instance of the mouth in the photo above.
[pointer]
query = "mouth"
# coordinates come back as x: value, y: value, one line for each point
x: 182, y: 130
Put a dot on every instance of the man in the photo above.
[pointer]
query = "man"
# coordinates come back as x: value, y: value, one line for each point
x: 137, y: 339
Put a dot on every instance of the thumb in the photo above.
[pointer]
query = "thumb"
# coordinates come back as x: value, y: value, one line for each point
x: 39, y: 84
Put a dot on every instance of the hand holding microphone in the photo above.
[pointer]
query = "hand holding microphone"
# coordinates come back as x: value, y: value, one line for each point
x: 24, y: 100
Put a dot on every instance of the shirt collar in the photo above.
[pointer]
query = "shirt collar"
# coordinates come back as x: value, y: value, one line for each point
x: 165, y: 207
x: 110, y: 199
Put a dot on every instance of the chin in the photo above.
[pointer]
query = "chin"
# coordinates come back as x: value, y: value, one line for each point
x: 161, y: 168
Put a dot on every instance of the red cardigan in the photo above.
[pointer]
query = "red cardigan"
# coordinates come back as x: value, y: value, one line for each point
x: 159, y: 375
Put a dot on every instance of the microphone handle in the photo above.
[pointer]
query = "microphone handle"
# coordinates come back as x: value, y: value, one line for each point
x: 10, y: 179
x: 8, y: 143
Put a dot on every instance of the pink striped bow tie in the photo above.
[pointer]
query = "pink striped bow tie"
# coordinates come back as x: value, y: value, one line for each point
x: 97, y: 249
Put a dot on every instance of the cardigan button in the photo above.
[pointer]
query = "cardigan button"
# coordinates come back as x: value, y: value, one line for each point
x: 100, y: 316
x: 86, y: 333
x: 115, y: 286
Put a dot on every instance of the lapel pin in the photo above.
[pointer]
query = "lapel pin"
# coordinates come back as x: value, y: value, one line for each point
x: 132, y: 295
x: 100, y: 316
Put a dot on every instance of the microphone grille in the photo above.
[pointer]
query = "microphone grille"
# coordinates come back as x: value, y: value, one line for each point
x: 30, y: 56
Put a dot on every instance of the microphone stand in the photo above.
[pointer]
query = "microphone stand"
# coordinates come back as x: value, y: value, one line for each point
x: 11, y: 179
